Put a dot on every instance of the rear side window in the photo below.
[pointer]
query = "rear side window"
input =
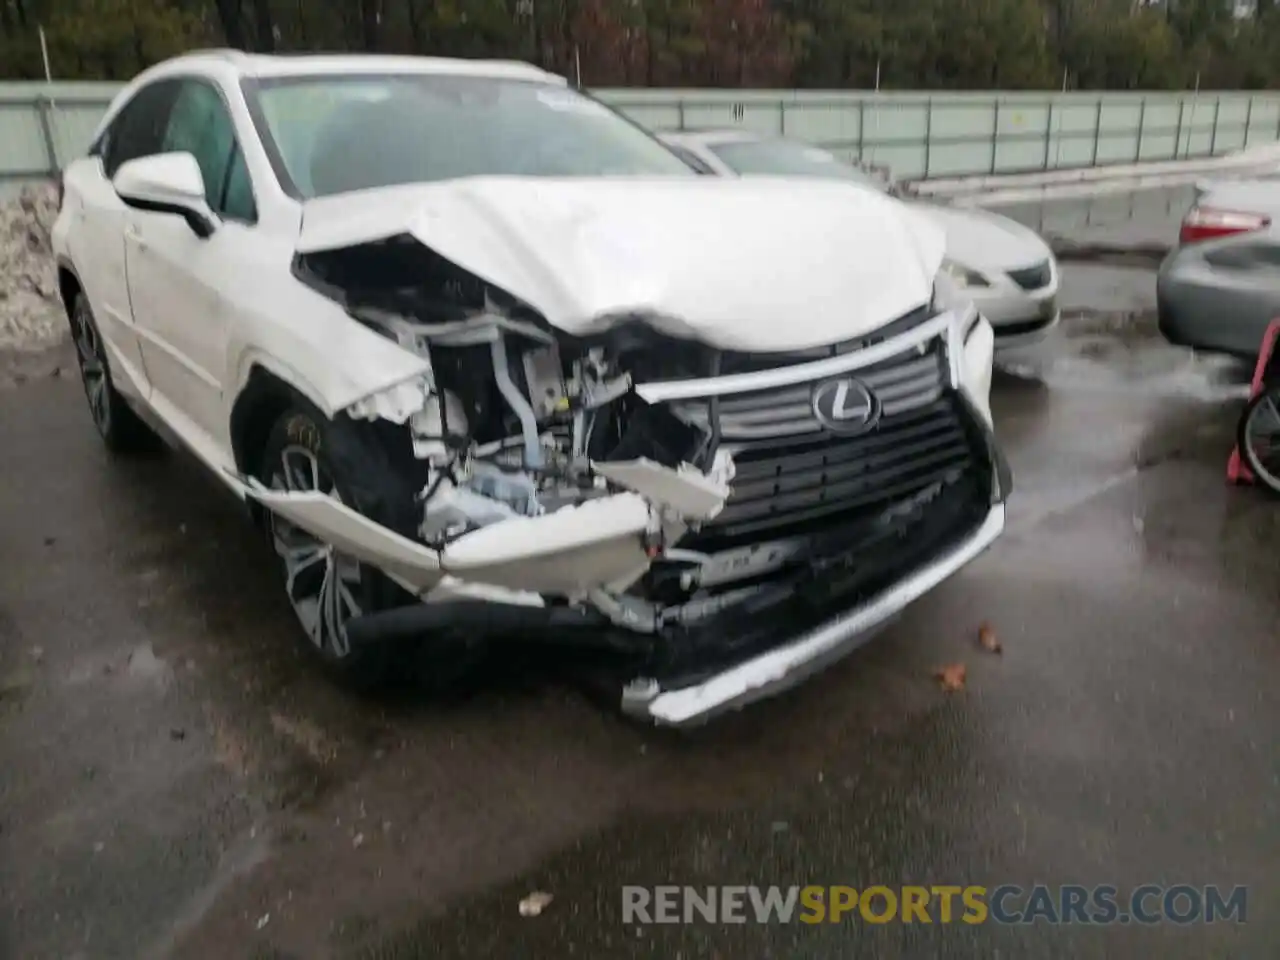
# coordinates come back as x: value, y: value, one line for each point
x: 138, y: 130
x: 200, y: 125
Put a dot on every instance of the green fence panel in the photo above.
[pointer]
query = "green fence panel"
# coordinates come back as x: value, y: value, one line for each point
x: 915, y: 134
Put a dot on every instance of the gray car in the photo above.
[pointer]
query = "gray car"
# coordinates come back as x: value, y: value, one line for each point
x: 1221, y: 287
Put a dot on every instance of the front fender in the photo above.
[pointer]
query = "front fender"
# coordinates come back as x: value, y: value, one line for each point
x: 312, y: 344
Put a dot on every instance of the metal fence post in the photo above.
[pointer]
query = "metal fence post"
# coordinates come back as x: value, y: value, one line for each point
x: 1177, y: 137
x: 680, y: 114
x: 43, y: 106
x: 862, y: 125
x: 995, y: 134
x: 1213, y: 137
x: 1048, y: 134
x: 1097, y: 132
x: 782, y: 118
x: 928, y: 134
x: 1142, y: 124
x: 1248, y: 119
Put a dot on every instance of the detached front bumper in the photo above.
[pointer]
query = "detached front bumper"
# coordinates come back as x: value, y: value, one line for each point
x: 784, y: 666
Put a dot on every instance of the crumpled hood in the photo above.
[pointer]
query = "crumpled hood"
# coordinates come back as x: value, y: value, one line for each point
x: 749, y: 264
x: 984, y: 240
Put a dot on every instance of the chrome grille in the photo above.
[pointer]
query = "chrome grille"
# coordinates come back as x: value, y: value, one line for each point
x: 793, y: 476
x: 837, y: 478
x: 1032, y: 278
x: 903, y: 383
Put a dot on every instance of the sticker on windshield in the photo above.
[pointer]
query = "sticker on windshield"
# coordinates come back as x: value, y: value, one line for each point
x: 569, y: 101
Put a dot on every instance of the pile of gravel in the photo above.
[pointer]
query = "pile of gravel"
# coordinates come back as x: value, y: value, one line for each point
x: 31, y: 315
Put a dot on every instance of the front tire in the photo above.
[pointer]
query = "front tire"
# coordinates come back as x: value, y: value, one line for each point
x: 121, y: 429
x: 307, y: 451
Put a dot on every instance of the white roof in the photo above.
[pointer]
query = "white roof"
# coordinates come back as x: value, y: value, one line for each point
x: 267, y: 65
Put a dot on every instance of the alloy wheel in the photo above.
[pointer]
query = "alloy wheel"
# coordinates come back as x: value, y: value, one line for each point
x: 322, y: 583
x: 93, y: 367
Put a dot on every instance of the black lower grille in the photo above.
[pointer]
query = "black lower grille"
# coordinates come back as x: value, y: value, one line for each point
x: 1032, y: 278
x: 781, y: 491
x: 846, y: 564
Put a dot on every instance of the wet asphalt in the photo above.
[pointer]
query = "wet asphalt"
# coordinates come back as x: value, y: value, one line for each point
x: 176, y: 781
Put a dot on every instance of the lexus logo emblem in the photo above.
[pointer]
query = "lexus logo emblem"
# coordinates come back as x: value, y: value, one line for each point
x: 845, y: 406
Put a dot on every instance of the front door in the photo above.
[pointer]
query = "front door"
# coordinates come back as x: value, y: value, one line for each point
x: 178, y: 281
x: 102, y: 221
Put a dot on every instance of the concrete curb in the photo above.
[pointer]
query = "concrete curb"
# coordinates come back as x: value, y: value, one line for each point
x: 1147, y: 254
x: 1093, y: 181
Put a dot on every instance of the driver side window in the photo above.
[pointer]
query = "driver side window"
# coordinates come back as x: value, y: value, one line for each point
x: 200, y: 125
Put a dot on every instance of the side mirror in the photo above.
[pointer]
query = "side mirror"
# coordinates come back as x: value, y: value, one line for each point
x: 167, y: 183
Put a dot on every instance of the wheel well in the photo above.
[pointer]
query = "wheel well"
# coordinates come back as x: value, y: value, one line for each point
x: 68, y: 288
x: 264, y: 398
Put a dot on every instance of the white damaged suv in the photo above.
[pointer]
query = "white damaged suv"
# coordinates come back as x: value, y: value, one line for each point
x: 486, y: 360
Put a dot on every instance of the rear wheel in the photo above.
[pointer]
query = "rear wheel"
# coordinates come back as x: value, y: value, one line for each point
x: 1259, y: 438
x: 120, y: 428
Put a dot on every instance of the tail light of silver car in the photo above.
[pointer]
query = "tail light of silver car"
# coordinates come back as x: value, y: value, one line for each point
x: 1206, y: 223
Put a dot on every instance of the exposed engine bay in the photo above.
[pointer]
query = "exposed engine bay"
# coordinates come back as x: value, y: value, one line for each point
x: 516, y: 420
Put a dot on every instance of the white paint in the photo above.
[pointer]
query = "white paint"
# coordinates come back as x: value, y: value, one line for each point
x: 597, y: 544
x: 689, y: 493
x: 765, y: 265
x: 984, y: 244
x: 979, y: 351
x: 169, y: 178
x: 413, y: 564
x: 762, y: 264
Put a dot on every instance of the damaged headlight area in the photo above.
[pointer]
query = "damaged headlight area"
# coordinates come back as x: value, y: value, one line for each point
x: 525, y: 427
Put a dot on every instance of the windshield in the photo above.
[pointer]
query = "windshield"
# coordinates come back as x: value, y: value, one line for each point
x: 331, y: 134
x: 787, y: 158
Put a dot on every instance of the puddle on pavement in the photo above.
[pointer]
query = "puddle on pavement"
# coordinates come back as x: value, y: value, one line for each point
x: 1122, y: 352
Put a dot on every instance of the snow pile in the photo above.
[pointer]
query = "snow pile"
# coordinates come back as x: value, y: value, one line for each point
x: 31, y: 315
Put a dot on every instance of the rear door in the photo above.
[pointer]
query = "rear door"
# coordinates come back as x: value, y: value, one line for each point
x: 101, y: 220
x: 181, y: 285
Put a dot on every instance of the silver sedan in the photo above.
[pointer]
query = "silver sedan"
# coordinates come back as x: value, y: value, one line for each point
x: 1221, y: 287
x: 1006, y: 269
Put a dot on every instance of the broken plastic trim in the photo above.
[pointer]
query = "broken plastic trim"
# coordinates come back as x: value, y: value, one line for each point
x: 785, y: 666
x: 601, y: 544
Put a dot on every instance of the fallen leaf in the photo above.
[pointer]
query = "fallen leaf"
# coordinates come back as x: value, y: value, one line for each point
x: 951, y: 677
x: 534, y: 903
x: 988, y: 640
